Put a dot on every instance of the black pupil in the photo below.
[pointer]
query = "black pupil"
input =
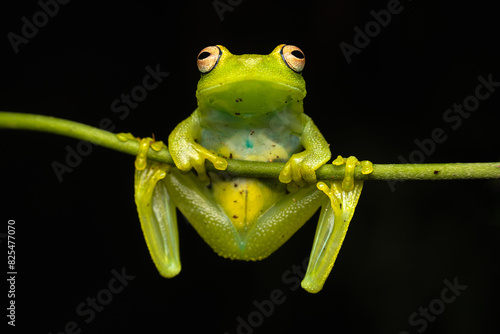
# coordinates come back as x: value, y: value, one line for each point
x: 203, y: 55
x: 298, y: 54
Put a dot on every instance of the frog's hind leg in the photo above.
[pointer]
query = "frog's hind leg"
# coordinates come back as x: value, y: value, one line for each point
x: 196, y: 202
x: 158, y: 217
x: 265, y: 232
x: 336, y: 214
x: 337, y: 211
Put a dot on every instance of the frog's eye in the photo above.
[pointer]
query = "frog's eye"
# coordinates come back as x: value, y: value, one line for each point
x: 208, y: 58
x: 293, y: 57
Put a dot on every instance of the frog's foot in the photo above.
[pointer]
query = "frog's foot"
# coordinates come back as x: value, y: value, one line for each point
x: 336, y: 214
x: 350, y: 165
x: 144, y: 145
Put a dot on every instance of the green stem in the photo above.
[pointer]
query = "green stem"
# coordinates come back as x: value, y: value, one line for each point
x: 443, y: 171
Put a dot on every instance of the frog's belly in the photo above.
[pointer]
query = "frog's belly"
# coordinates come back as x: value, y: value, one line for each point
x: 244, y: 200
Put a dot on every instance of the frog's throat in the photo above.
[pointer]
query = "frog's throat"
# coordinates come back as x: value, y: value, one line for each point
x: 250, y: 97
x: 225, y: 86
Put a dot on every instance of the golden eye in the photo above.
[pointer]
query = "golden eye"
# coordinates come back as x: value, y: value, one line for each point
x: 293, y: 57
x: 208, y: 58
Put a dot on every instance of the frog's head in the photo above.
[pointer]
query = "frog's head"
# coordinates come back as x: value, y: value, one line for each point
x: 250, y: 84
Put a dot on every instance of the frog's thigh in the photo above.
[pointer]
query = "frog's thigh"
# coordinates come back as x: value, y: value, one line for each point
x: 197, y: 204
x: 281, y: 221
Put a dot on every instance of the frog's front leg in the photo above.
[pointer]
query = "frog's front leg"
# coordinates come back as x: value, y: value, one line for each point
x: 302, y: 166
x: 336, y: 213
x: 185, y: 150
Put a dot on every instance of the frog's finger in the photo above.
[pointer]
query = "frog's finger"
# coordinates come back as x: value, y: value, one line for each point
x: 286, y: 173
x: 334, y: 220
x: 292, y: 172
x: 308, y: 172
x: 297, y: 169
x: 158, y: 218
x: 219, y: 162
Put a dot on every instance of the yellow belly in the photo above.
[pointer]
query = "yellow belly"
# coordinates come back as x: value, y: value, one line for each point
x: 244, y: 200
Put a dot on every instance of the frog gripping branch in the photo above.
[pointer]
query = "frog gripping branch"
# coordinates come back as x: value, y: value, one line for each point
x: 249, y: 108
x: 265, y: 157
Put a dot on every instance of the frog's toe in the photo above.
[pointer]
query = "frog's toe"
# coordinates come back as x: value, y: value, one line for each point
x: 122, y: 136
x: 366, y: 167
x: 350, y: 165
x: 144, y: 145
x: 334, y: 194
x: 338, y: 161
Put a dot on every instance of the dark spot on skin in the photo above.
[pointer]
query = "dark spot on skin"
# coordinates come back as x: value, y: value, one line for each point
x: 252, y: 132
x: 436, y: 172
x: 286, y: 101
x: 235, y: 216
x: 282, y: 236
x: 230, y: 155
x: 241, y: 192
x: 277, y: 157
x: 237, y: 113
x: 235, y: 185
x: 273, y: 145
x: 239, y: 100
x: 235, y: 201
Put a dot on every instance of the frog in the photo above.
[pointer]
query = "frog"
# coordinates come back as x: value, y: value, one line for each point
x: 249, y: 107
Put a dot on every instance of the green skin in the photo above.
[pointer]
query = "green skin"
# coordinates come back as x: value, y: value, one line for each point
x: 249, y: 108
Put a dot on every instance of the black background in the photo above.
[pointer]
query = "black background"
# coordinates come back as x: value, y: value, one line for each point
x: 401, y: 245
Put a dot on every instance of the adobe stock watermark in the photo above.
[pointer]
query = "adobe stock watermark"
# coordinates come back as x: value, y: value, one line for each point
x: 120, y: 106
x: 362, y: 38
x: 453, y: 117
x: 30, y: 28
x: 223, y: 6
x: 265, y: 308
x: 421, y: 318
x: 88, y: 309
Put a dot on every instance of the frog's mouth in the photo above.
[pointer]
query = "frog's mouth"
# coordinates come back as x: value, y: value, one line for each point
x: 250, y: 97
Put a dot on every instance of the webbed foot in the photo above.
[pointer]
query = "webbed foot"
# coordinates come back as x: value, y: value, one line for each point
x: 155, y: 207
x: 334, y: 220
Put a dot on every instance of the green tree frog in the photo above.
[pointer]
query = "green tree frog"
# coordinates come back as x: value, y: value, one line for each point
x: 250, y: 107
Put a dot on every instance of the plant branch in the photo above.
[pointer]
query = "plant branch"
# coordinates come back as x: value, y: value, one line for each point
x: 441, y: 171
